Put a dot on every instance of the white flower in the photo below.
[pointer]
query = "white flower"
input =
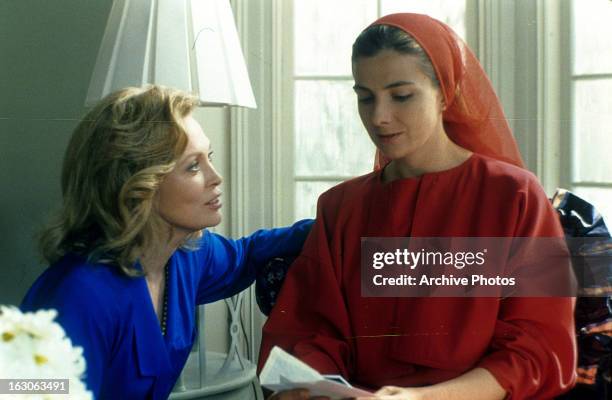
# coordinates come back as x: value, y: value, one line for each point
x: 33, y: 346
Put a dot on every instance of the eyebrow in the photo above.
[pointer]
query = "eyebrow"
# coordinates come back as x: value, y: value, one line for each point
x: 197, y: 153
x: 389, y: 86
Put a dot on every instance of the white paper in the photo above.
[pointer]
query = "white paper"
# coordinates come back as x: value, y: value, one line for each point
x: 282, y: 371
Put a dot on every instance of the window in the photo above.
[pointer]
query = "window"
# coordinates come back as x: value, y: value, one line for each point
x: 306, y: 135
x: 284, y: 154
x: 330, y: 144
x: 591, y: 102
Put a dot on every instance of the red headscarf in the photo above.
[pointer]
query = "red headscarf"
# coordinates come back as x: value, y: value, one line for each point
x: 473, y: 118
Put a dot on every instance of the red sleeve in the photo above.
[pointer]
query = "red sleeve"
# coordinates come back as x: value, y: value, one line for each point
x: 533, y: 351
x: 310, y: 319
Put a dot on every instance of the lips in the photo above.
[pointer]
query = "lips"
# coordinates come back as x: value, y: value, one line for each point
x: 215, y: 203
x: 388, y: 137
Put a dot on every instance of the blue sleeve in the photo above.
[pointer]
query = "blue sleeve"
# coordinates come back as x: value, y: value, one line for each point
x: 85, y: 322
x: 229, y: 266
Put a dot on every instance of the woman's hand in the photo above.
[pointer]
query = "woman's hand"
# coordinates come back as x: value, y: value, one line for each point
x: 295, y: 394
x: 395, y: 393
x: 476, y: 384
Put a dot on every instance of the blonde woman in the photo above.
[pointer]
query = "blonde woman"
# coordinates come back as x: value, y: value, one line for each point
x: 130, y: 257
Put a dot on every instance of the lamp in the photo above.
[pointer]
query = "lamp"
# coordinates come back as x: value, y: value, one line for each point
x: 191, y: 45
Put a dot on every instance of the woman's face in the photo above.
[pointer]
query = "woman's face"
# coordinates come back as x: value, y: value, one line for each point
x: 188, y: 197
x: 398, y: 104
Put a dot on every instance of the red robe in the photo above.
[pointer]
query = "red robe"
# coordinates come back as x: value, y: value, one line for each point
x: 528, y: 344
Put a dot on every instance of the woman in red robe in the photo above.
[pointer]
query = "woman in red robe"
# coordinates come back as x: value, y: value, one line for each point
x: 447, y: 165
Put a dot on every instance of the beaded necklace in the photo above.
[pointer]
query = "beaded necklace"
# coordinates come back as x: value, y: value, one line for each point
x: 165, y: 305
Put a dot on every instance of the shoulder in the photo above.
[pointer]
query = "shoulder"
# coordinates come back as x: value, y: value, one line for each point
x: 505, y: 178
x: 348, y: 190
x: 503, y: 171
x: 92, y: 306
x: 208, y: 256
x: 202, y: 248
x: 212, y: 244
x: 75, y: 283
x: 208, y: 246
x: 522, y: 197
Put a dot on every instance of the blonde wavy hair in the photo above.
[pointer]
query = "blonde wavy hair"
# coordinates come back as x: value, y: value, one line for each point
x: 116, y: 159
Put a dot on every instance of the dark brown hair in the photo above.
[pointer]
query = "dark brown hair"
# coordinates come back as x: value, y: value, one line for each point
x: 385, y: 37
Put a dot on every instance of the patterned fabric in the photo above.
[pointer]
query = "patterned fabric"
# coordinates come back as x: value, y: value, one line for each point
x: 593, y: 314
x: 269, y: 282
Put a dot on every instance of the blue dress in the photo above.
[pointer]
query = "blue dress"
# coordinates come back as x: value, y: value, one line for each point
x: 112, y: 317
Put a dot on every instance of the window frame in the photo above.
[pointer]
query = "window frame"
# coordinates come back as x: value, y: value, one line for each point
x: 573, y: 181
x: 285, y: 82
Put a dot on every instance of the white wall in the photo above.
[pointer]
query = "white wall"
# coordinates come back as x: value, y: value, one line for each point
x: 46, y: 56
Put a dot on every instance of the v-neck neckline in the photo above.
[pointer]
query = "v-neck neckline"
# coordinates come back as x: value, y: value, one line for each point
x: 152, y: 315
x: 163, y: 321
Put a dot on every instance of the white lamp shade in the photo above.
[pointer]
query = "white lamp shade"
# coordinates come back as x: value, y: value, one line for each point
x: 191, y: 45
